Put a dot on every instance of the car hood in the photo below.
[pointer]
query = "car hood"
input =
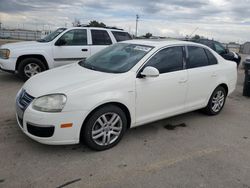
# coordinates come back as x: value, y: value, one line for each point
x: 15, y: 45
x: 65, y: 79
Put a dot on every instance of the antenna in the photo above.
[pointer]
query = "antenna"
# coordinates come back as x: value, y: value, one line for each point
x: 136, y: 24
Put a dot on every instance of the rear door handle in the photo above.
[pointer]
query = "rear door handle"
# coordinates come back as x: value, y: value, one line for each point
x: 183, y: 80
x: 213, y: 75
x: 84, y: 50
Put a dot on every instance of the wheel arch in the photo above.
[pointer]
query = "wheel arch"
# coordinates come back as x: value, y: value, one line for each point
x: 37, y: 56
x: 123, y: 107
x: 224, y: 86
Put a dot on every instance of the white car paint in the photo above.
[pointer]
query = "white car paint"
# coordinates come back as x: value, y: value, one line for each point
x: 51, y: 52
x: 147, y: 99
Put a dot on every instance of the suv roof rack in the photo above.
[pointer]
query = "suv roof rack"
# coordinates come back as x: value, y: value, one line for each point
x: 106, y: 27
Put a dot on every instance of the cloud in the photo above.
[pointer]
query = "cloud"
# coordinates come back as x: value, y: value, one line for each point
x: 221, y: 19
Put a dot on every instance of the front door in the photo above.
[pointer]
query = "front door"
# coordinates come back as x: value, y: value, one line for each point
x: 71, y: 47
x: 162, y: 96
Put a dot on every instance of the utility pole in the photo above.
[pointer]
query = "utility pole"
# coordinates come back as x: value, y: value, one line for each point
x: 136, y: 24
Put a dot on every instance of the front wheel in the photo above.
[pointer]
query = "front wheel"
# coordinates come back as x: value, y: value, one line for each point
x: 216, y: 101
x: 105, y: 128
x: 30, y: 67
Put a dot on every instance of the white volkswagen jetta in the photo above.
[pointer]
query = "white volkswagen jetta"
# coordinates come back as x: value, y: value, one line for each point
x: 125, y: 85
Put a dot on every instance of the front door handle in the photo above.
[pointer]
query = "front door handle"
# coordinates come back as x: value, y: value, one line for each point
x: 84, y: 50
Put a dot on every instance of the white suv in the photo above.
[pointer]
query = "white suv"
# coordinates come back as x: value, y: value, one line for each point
x: 61, y: 47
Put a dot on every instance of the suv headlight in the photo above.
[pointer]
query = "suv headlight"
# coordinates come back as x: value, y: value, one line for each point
x: 5, y: 53
x: 50, y: 103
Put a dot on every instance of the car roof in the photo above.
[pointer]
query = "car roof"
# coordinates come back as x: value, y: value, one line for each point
x: 97, y: 28
x: 162, y: 43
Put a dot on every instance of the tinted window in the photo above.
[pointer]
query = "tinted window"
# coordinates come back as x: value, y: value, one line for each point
x: 121, y: 36
x: 167, y: 60
x: 207, y: 43
x: 75, y: 37
x: 196, y: 57
x: 219, y: 48
x: 211, y: 58
x: 100, y: 37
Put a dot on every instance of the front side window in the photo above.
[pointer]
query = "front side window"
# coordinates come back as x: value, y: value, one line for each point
x: 118, y: 58
x: 121, y: 36
x: 100, y: 37
x: 75, y: 37
x: 196, y: 57
x: 167, y: 60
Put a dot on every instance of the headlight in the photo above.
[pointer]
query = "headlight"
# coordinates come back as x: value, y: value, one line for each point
x: 50, y: 103
x: 5, y: 53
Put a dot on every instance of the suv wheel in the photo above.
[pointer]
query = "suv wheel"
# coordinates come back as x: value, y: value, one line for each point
x: 105, y: 128
x: 30, y: 67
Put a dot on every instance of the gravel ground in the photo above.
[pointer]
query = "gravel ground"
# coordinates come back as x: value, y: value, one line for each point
x: 205, y: 152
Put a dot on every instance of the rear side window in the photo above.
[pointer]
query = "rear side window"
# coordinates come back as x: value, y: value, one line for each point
x: 100, y: 37
x: 196, y: 57
x: 121, y: 36
x: 168, y: 60
x: 212, y: 60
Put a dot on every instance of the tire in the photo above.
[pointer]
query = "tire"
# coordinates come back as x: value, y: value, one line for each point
x: 98, y: 132
x: 216, y: 101
x: 29, y: 67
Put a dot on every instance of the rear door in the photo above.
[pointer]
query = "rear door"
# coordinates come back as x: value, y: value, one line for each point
x: 100, y: 39
x: 202, y: 69
x: 71, y: 47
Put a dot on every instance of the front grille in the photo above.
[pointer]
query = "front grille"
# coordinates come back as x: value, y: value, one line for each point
x: 24, y: 99
x: 44, y: 132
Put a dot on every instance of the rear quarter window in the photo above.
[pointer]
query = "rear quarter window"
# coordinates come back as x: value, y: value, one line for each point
x: 121, y: 36
x: 211, y: 58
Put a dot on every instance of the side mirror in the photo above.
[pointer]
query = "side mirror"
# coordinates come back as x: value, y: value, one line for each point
x: 150, y: 72
x: 60, y: 42
x: 227, y: 50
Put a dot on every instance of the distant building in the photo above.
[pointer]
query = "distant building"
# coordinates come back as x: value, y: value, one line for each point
x: 232, y: 46
x: 20, y: 34
x: 245, y: 48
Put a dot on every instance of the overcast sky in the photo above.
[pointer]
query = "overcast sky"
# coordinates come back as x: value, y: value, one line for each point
x: 224, y: 20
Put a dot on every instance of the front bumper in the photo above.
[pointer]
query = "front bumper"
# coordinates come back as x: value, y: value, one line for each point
x: 48, y: 126
x: 8, y: 65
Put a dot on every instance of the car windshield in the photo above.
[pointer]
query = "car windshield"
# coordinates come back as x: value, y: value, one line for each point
x: 118, y: 58
x: 52, y: 35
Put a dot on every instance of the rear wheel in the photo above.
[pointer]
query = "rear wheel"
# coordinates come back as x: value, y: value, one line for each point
x: 216, y: 101
x: 105, y: 128
x: 30, y: 67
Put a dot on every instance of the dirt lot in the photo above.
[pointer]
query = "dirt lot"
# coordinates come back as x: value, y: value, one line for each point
x: 208, y: 152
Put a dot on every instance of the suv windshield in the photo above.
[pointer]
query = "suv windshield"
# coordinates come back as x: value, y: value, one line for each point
x: 118, y: 58
x: 52, y: 35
